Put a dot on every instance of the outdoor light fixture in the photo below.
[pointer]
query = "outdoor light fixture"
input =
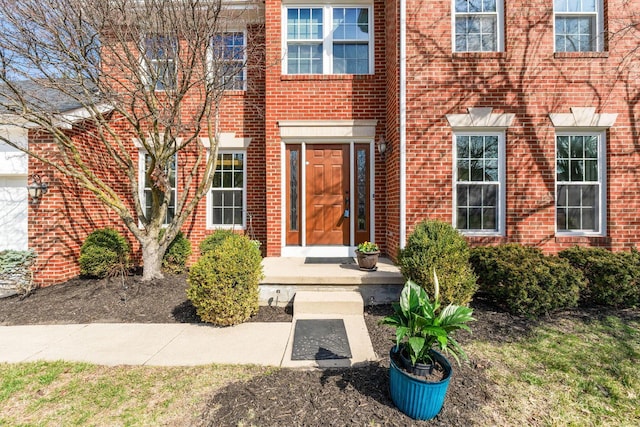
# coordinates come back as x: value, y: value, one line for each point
x: 36, y: 189
x: 382, y: 147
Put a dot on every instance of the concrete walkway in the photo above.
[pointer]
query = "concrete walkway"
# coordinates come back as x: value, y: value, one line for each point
x: 198, y: 344
x: 169, y: 344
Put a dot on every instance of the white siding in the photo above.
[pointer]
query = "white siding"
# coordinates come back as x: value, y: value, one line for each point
x: 13, y: 191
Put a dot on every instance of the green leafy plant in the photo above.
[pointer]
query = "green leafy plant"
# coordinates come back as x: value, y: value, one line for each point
x: 524, y: 281
x: 105, y: 252
x: 422, y: 324
x: 368, y: 247
x: 175, y: 258
x: 437, y: 245
x: 223, y: 284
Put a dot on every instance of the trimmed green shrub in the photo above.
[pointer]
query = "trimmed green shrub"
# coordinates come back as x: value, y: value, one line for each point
x: 213, y: 240
x: 613, y: 278
x: 105, y: 252
x: 437, y: 245
x: 176, y: 255
x: 15, y: 270
x: 223, y: 284
x: 524, y: 281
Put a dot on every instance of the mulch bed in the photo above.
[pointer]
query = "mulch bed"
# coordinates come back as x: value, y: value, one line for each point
x: 285, y: 397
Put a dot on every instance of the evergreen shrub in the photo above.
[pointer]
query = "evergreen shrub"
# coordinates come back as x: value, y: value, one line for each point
x: 105, y: 252
x: 524, y: 281
x: 176, y: 256
x: 213, y: 240
x: 223, y: 284
x: 437, y: 245
x: 613, y: 278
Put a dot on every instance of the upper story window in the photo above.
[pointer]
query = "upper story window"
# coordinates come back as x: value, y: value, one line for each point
x: 328, y: 40
x: 160, y: 54
x: 478, y: 25
x: 230, y: 56
x: 579, y: 182
x: 479, y: 182
x: 578, y: 25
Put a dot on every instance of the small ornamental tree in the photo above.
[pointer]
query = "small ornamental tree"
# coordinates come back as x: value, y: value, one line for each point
x: 153, y: 72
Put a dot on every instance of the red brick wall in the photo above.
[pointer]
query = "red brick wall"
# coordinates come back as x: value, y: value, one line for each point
x: 59, y: 224
x: 529, y: 80
x: 319, y: 97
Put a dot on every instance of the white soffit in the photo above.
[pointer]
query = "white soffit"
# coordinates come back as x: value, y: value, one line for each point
x: 582, y: 117
x: 480, y: 117
x: 290, y: 129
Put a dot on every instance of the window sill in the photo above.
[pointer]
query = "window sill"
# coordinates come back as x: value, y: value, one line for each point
x: 479, y: 55
x: 313, y: 77
x: 578, y: 55
x: 582, y: 239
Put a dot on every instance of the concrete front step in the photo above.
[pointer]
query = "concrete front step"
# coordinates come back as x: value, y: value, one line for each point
x: 285, y: 277
x: 327, y: 302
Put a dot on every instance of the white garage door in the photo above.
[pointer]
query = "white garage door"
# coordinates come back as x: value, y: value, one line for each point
x: 13, y: 212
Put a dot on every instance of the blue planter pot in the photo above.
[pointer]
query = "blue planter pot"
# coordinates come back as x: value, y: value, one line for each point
x: 419, y: 399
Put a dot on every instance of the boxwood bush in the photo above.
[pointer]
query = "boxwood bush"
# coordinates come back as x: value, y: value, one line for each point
x: 105, y: 252
x: 223, y: 284
x: 524, y: 281
x: 437, y: 245
x: 613, y: 278
x: 176, y: 255
x: 213, y: 240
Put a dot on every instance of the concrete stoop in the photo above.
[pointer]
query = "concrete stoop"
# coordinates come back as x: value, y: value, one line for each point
x: 345, y: 305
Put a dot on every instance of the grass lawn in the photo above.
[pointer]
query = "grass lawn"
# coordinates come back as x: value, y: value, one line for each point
x: 76, y: 394
x: 567, y: 372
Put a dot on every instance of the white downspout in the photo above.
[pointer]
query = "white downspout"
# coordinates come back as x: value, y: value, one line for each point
x: 403, y: 123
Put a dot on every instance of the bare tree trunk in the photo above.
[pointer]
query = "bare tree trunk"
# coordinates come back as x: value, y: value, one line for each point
x: 152, y: 259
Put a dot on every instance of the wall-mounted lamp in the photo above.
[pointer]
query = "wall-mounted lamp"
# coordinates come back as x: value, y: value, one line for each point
x: 37, y: 189
x: 383, y: 148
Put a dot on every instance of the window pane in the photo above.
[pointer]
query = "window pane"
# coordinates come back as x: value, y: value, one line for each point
x: 563, y: 147
x: 475, y: 219
x: 489, y: 219
x: 577, y: 170
x: 461, y: 195
x: 463, y: 170
x: 293, y: 189
x: 462, y: 143
x: 577, y: 146
x: 461, y: 221
x: 490, y: 195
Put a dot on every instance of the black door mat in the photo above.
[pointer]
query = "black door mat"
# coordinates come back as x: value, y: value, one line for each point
x: 327, y: 260
x: 320, y: 339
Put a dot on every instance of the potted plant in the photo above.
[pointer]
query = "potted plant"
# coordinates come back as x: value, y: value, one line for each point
x: 422, y: 327
x: 367, y: 255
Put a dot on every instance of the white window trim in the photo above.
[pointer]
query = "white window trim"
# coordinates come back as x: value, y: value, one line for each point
x: 502, y: 196
x: 244, y: 56
x: 141, y: 172
x: 602, y: 175
x: 327, y: 30
x: 499, y: 28
x: 599, y: 14
x: 210, y: 224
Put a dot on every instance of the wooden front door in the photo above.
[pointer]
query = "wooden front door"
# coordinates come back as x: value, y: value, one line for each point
x: 327, y: 194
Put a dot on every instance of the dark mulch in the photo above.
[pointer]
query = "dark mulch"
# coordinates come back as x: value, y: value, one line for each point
x: 335, y: 397
x: 113, y: 300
